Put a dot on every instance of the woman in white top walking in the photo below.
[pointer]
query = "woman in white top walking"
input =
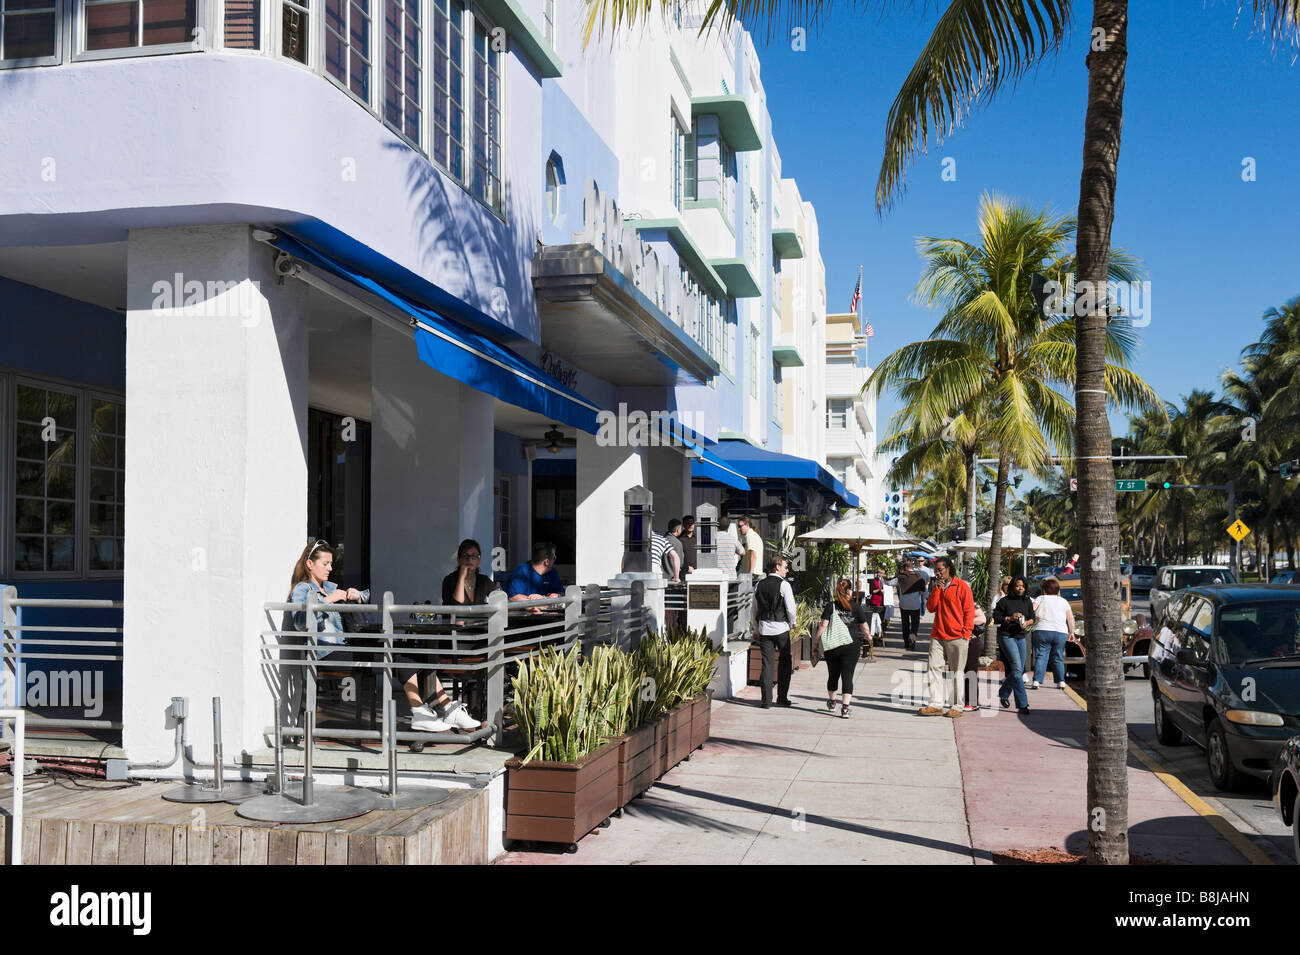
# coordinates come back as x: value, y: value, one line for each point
x: 1055, y: 626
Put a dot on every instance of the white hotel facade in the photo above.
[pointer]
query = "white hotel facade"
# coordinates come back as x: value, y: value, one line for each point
x: 275, y: 270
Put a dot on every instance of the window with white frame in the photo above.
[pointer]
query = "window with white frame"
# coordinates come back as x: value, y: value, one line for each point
x: 485, y: 182
x: 132, y: 24
x: 295, y: 30
x: 837, y: 414
x: 403, y: 68
x: 449, y: 91
x: 691, y: 163
x: 347, y: 45
x: 753, y: 362
x: 729, y: 352
x: 778, y: 399
x: 726, y: 178
x: 28, y: 29
x: 241, y: 25
x: 680, y: 161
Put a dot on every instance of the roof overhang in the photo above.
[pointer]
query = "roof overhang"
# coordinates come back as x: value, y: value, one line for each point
x: 735, y: 120
x: 786, y: 244
x: 739, y: 280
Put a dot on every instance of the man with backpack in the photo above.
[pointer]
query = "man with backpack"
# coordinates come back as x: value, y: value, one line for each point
x: 773, y: 615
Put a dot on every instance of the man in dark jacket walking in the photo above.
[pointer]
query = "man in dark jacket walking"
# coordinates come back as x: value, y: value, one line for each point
x: 911, y: 598
x: 773, y: 615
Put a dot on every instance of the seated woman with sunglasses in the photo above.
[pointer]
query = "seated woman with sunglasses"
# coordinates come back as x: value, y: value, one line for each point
x: 311, y: 574
x: 465, y: 585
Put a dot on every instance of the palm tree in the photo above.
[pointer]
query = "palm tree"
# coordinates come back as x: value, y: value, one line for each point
x: 994, y: 348
x: 977, y: 49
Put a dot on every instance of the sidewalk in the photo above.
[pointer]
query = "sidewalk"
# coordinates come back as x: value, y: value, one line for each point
x: 887, y: 786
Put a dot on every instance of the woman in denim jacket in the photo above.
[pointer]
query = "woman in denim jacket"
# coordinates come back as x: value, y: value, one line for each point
x: 311, y: 574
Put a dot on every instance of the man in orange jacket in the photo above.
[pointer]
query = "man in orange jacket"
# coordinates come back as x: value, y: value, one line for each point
x: 953, y: 606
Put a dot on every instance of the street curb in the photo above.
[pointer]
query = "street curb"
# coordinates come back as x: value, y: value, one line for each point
x: 1238, y: 840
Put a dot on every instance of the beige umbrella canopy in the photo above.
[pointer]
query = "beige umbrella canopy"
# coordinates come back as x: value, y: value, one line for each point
x: 861, y: 530
x: 1010, y: 542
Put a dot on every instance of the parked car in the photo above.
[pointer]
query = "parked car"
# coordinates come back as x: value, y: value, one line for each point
x: 1072, y: 590
x: 1225, y: 673
x: 1287, y: 577
x: 1285, y: 786
x: 1172, y: 578
x: 1143, y: 577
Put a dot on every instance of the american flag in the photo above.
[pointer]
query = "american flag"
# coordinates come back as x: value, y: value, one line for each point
x: 857, y: 296
x: 869, y: 331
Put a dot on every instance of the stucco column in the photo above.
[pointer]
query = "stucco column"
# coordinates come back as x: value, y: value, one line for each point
x: 669, y: 477
x: 216, y: 479
x: 605, y: 471
x: 431, y: 470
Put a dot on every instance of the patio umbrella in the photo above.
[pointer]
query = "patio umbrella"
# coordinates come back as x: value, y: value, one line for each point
x: 1010, y: 541
x: 860, y: 531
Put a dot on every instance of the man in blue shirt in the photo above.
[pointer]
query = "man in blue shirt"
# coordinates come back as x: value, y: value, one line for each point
x: 536, y: 579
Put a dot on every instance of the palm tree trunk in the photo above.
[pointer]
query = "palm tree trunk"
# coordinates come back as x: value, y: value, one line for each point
x: 970, y: 492
x: 1107, y: 810
x: 995, y: 551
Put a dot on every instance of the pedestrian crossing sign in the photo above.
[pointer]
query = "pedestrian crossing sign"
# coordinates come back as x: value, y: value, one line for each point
x: 1238, y: 530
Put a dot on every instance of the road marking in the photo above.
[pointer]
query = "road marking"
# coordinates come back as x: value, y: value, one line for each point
x: 1238, y: 840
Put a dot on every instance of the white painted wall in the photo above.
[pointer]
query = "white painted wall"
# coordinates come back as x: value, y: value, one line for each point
x: 604, y: 473
x: 216, y: 483
x: 431, y: 470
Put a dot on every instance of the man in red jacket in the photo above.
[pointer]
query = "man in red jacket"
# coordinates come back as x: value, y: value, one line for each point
x: 953, y: 606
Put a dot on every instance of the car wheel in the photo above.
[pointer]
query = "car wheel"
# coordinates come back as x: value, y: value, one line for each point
x: 1295, y: 827
x: 1166, y: 732
x: 1222, y: 773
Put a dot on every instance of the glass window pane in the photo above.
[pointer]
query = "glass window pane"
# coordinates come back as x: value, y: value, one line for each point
x: 242, y: 26
x: 112, y: 26
x: 62, y: 408
x: 293, y: 34
x: 101, y: 519
x: 60, y: 553
x: 101, y: 485
x: 29, y: 36
x: 168, y: 21
x: 31, y: 403
x: 102, y: 450
x: 29, y: 516
x: 29, y: 443
x: 29, y: 554
x: 61, y: 482
x: 29, y: 478
x: 59, y: 518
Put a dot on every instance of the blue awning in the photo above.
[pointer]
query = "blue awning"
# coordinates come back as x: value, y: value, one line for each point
x: 759, y: 464
x: 460, y: 353
x: 710, y: 467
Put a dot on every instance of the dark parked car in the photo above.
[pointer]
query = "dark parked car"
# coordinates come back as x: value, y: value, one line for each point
x: 1172, y: 578
x: 1287, y: 577
x: 1225, y: 672
x: 1286, y: 789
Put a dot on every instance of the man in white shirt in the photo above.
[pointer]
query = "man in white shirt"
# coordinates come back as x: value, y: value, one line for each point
x: 772, y: 612
x: 752, y: 561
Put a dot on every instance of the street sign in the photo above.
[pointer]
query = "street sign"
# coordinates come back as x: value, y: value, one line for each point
x: 1140, y: 484
x: 1238, y: 530
x: 1074, y: 484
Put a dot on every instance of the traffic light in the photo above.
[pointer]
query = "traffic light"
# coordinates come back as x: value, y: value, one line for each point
x: 1288, y: 468
x: 1166, y: 486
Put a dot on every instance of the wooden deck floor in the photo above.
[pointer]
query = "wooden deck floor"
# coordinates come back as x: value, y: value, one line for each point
x: 67, y: 825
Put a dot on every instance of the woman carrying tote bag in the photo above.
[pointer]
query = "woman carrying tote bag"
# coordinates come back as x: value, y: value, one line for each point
x: 842, y: 630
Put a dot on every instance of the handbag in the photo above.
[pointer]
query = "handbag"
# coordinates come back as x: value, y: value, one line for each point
x: 836, y: 635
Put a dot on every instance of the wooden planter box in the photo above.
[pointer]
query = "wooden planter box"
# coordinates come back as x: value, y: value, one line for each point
x: 661, y: 746
x: 701, y: 717
x: 561, y: 802
x: 679, y: 734
x: 637, y: 762
x: 800, y: 650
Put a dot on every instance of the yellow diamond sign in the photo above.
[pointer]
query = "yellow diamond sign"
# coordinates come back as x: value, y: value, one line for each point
x: 1238, y: 530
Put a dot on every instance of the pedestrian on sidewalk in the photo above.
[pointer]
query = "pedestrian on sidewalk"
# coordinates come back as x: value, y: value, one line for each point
x: 1055, y: 627
x: 1014, y: 615
x: 953, y: 606
x: 773, y: 615
x: 975, y: 649
x: 847, y: 623
x: 911, y: 597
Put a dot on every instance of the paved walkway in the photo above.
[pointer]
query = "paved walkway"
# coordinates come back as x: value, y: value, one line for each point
x: 800, y: 785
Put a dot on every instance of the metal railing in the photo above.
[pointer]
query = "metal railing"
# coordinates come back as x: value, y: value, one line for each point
x: 22, y: 643
x: 740, y: 596
x: 614, y: 616
x: 18, y: 767
x: 465, y: 644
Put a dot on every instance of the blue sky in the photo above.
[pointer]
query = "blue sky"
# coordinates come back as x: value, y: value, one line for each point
x: 1202, y: 94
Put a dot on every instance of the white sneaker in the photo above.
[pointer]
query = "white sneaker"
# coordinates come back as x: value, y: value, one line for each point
x: 1036, y: 685
x: 1060, y: 686
x: 424, y: 720
x: 458, y: 717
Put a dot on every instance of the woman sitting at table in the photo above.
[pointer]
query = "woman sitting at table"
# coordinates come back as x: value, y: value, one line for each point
x: 311, y: 574
x: 465, y: 585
